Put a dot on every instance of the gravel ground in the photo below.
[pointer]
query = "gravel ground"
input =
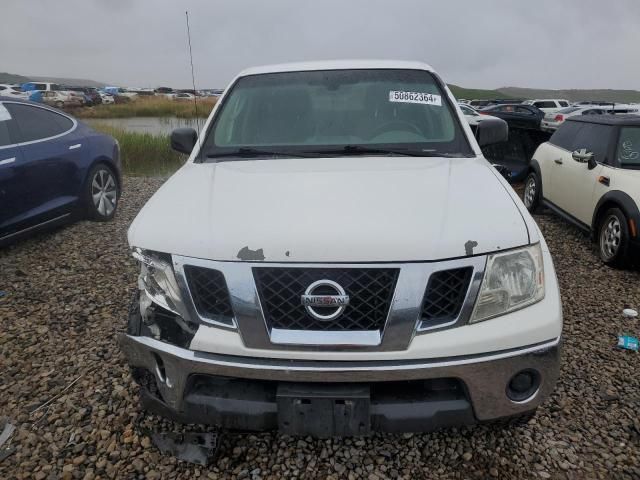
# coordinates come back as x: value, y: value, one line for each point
x: 66, y: 387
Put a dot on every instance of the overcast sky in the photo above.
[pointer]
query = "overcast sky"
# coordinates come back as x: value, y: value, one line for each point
x: 483, y: 44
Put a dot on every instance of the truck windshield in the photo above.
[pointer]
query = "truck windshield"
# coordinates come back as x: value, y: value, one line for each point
x: 336, y: 112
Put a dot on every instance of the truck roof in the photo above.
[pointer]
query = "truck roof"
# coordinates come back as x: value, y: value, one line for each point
x: 337, y: 65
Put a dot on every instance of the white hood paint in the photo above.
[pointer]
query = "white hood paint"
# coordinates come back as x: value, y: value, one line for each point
x: 353, y: 209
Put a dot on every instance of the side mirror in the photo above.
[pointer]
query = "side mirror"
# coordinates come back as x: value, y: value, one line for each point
x: 584, y: 156
x: 183, y: 140
x: 492, y: 130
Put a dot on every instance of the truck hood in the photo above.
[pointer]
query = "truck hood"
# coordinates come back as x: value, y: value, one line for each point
x: 353, y: 209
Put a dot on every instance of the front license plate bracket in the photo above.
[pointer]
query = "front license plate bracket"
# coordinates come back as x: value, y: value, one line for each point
x: 323, y: 410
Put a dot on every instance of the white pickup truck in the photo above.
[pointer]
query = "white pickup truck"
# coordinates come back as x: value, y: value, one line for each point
x: 336, y: 257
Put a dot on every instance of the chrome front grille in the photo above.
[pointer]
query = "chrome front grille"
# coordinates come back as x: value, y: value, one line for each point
x: 210, y: 293
x: 370, y: 291
x: 444, y: 296
x: 388, y: 303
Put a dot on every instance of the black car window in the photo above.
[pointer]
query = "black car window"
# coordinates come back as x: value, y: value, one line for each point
x: 36, y: 123
x: 523, y: 111
x: 565, y: 135
x: 628, y: 151
x: 594, y: 138
x: 564, y: 104
x: 545, y: 104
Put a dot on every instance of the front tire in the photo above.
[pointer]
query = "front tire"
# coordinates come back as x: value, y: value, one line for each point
x: 102, y: 193
x: 531, y: 195
x: 613, y: 238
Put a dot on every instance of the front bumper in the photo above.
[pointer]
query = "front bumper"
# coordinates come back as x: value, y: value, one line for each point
x: 245, y: 393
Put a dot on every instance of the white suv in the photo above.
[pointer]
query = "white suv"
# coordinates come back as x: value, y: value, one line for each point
x: 337, y: 257
x: 589, y: 173
x: 549, y: 105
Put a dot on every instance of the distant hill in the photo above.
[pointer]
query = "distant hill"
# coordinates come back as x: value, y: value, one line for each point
x: 79, y: 82
x: 620, y: 96
x: 573, y: 95
x: 11, y: 78
x: 477, y: 94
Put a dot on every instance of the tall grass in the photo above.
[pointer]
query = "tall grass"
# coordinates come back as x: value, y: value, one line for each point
x: 149, y: 107
x: 144, y: 154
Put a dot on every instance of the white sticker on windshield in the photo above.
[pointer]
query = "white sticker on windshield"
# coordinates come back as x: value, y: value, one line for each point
x: 415, y: 97
x: 4, y: 114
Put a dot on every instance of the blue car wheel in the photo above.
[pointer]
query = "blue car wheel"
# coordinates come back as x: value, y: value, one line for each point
x: 102, y: 193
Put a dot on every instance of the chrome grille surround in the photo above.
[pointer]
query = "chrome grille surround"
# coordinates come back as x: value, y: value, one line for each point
x: 403, y: 320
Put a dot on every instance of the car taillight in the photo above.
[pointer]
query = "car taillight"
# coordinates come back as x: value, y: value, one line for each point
x: 559, y: 118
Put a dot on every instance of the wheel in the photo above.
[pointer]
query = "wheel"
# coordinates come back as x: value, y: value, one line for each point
x: 531, y: 196
x: 59, y: 104
x: 102, y: 193
x: 613, y: 238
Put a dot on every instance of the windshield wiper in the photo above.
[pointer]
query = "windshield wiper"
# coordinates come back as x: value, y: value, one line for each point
x: 247, y: 152
x: 364, y: 150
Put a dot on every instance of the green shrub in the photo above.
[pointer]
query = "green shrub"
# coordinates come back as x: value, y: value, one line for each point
x: 144, y: 153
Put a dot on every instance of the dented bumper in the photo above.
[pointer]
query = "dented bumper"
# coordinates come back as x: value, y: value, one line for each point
x: 264, y: 394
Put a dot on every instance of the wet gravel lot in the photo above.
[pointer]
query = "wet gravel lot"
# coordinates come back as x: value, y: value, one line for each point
x: 66, y: 387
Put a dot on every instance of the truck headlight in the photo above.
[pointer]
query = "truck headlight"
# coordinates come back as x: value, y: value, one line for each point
x: 158, y: 281
x: 512, y: 280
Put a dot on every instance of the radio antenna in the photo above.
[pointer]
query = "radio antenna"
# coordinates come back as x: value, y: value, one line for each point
x: 193, y: 79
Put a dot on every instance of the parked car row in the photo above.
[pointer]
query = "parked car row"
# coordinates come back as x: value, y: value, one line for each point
x: 61, y: 96
x: 552, y: 121
x: 68, y: 96
x: 546, y: 115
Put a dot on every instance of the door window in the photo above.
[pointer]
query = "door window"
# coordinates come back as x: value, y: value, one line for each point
x: 594, y: 138
x: 563, y: 103
x: 628, y: 151
x: 565, y: 135
x: 36, y: 123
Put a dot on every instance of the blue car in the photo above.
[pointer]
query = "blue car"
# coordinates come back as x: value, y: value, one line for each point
x: 53, y: 170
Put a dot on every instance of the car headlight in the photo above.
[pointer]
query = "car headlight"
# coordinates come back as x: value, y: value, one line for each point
x: 512, y: 280
x: 158, y: 281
